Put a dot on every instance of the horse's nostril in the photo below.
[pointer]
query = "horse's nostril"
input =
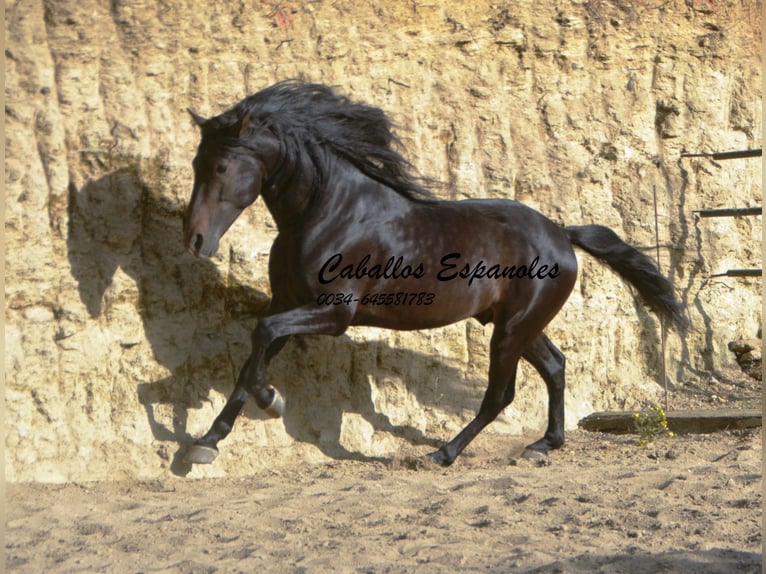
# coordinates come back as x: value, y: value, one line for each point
x: 197, y: 242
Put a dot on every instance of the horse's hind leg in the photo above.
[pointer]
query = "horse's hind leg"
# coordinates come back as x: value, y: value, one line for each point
x: 503, y: 364
x: 550, y: 363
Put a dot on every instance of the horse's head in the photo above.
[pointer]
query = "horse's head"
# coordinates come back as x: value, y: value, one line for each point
x: 228, y: 177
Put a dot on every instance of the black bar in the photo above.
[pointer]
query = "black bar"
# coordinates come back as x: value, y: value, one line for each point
x: 730, y: 212
x: 727, y: 154
x: 740, y: 273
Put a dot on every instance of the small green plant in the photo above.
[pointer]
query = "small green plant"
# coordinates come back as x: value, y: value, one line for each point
x: 651, y: 424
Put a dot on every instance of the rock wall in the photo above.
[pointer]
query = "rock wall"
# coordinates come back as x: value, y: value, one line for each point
x: 120, y: 346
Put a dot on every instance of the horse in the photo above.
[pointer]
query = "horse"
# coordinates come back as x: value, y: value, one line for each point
x: 362, y: 241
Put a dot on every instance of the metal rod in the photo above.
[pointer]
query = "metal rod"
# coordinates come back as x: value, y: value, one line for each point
x: 662, y: 322
x: 740, y: 273
x: 729, y: 212
x: 727, y: 154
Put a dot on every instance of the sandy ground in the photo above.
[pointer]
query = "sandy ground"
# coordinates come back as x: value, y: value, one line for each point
x: 600, y: 504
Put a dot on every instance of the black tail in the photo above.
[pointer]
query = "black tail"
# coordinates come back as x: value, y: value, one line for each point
x: 638, y: 269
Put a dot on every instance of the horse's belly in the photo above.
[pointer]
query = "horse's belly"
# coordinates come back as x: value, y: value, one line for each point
x: 423, y: 309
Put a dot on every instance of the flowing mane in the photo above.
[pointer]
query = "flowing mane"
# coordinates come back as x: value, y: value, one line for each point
x: 312, y: 121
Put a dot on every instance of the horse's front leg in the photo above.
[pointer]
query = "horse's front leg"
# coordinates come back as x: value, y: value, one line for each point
x: 267, y: 339
x: 205, y: 450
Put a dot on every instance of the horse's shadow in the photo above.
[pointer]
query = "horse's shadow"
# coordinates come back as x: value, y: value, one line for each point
x: 198, y: 329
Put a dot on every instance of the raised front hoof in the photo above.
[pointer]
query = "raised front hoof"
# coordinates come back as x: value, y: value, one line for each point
x: 276, y: 408
x: 201, y: 454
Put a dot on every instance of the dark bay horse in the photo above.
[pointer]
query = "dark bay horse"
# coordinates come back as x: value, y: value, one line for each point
x: 361, y: 242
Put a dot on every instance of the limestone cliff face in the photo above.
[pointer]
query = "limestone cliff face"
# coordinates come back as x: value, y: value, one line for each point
x: 120, y: 346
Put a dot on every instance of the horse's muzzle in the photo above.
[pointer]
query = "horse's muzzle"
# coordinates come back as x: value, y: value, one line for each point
x: 194, y: 245
x: 198, y: 243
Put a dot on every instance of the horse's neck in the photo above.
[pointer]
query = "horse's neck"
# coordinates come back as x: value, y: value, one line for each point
x: 288, y: 205
x: 345, y: 188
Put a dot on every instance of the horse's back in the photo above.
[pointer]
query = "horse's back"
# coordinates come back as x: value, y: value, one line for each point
x: 507, y: 211
x: 521, y: 223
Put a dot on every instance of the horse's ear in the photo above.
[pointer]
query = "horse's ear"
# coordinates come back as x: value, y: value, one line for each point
x: 198, y: 119
x: 244, y: 125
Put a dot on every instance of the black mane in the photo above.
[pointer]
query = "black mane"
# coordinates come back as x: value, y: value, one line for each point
x: 311, y: 120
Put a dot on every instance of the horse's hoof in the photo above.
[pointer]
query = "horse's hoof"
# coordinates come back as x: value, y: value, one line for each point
x: 439, y: 457
x: 201, y: 454
x: 538, y: 457
x: 277, y: 406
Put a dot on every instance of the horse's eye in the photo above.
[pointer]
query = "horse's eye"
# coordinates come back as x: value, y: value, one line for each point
x: 220, y: 168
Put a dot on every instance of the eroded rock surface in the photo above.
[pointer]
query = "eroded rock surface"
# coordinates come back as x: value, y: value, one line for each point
x: 120, y: 346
